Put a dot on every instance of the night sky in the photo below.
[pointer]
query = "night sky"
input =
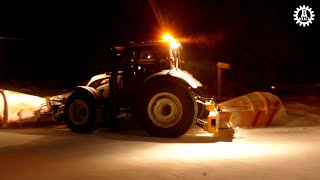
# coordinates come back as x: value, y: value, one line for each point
x: 61, y: 44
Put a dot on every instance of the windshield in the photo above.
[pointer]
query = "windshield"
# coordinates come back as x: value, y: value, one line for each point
x: 159, y: 57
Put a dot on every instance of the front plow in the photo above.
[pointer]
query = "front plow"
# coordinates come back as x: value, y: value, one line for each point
x: 256, y: 109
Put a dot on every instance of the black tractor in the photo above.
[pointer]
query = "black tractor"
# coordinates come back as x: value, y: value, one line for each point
x: 146, y: 82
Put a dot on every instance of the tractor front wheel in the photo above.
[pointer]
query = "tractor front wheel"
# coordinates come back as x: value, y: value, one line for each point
x: 80, y: 112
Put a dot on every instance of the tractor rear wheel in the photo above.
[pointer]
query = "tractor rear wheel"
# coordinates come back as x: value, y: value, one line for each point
x: 167, y: 111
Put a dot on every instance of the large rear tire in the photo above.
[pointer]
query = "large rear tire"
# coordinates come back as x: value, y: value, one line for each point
x: 167, y: 111
x: 80, y: 113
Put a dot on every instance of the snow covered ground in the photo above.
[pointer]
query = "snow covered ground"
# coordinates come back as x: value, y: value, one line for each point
x: 289, y: 151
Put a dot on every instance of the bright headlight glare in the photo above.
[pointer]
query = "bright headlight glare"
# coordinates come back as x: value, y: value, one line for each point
x: 174, y: 44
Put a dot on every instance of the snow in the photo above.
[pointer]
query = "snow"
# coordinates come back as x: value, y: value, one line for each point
x: 303, y: 111
x: 287, y: 151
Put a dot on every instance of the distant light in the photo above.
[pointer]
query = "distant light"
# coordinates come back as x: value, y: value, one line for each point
x: 273, y: 87
x: 119, y: 47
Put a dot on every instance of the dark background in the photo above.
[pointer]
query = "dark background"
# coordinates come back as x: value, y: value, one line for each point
x: 59, y: 44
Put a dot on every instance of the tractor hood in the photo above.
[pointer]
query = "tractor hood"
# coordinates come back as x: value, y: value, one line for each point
x: 184, y: 75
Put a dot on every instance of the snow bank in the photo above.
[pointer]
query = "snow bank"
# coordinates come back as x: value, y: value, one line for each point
x: 302, y: 111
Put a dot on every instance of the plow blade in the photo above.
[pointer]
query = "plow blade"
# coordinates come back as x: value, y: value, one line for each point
x: 256, y: 109
x: 19, y: 109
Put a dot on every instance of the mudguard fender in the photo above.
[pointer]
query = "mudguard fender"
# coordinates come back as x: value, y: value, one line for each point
x: 176, y: 75
x: 92, y: 91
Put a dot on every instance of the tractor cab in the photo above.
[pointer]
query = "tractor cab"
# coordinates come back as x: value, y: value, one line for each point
x: 149, y: 57
x: 135, y: 62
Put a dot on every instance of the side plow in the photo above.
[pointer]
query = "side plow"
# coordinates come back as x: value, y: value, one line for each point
x: 253, y: 110
x: 24, y: 110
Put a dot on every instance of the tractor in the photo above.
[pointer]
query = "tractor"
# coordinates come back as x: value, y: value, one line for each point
x: 145, y: 81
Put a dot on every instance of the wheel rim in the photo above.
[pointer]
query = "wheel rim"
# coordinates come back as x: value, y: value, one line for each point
x: 165, y: 109
x: 79, y: 112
